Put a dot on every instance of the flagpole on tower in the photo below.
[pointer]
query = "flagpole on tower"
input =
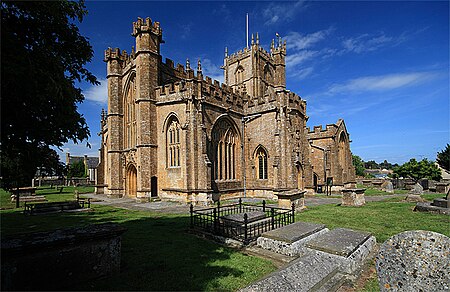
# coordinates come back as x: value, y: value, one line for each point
x: 247, y: 29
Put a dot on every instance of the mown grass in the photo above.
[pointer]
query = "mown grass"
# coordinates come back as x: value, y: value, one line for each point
x: 51, y: 194
x: 158, y: 253
x: 382, y: 219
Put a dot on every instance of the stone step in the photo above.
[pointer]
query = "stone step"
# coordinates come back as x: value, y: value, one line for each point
x: 290, y: 240
x: 347, y: 247
x: 279, y: 260
x: 332, y: 284
x: 441, y: 202
x: 309, y: 272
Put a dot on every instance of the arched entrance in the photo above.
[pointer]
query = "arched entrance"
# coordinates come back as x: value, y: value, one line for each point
x: 300, y: 185
x: 131, y: 181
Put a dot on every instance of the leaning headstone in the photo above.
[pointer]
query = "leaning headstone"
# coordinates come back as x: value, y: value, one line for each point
x: 387, y: 186
x: 414, y: 261
x: 417, y: 189
x: 414, y: 198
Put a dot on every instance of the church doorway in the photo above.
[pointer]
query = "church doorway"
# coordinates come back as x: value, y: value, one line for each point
x: 316, y: 179
x: 300, y: 185
x: 131, y: 181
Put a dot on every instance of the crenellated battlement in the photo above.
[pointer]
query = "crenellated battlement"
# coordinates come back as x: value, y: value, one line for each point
x: 319, y: 132
x: 210, y: 90
x: 122, y: 56
x: 146, y: 26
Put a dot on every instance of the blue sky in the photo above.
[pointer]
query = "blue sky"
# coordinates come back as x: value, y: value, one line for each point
x: 381, y: 66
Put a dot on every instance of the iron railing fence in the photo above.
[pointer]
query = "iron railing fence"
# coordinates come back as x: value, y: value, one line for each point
x: 241, y: 221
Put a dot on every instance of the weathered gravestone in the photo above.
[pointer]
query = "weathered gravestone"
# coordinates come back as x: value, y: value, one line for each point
x: 417, y: 189
x: 414, y: 261
x: 353, y: 197
x: 414, y: 198
x: 387, y: 186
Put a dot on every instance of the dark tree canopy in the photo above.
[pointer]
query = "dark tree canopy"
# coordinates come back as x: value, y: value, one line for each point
x: 77, y: 169
x: 417, y: 170
x: 43, y: 57
x: 443, y: 158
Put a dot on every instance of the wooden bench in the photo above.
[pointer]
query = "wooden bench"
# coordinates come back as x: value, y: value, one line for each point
x: 56, y: 207
x: 29, y: 198
x: 26, y: 191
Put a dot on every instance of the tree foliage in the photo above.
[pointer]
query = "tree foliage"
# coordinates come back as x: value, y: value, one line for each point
x: 358, y: 163
x: 371, y: 164
x: 43, y: 57
x: 77, y: 169
x: 443, y: 158
x: 417, y: 170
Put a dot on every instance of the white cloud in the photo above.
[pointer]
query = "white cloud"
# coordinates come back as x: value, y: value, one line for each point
x: 297, y: 41
x: 369, y: 42
x: 98, y: 94
x: 212, y: 70
x: 299, y: 57
x: 381, y: 83
x: 276, y: 12
x: 302, y: 73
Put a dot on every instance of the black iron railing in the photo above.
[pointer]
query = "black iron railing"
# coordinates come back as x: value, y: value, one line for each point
x: 241, y: 221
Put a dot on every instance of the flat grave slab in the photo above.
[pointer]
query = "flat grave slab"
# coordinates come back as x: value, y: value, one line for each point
x: 251, y: 216
x: 293, y: 232
x: 339, y: 241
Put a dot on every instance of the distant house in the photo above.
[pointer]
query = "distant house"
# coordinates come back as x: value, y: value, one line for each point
x: 379, y: 173
x: 90, y: 164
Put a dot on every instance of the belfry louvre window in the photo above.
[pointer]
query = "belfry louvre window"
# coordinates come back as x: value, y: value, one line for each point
x: 225, y: 144
x: 262, y: 163
x: 173, y: 144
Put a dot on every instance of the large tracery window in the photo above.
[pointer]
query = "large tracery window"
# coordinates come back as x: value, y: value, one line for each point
x: 225, y: 145
x: 261, y: 156
x: 130, y: 116
x: 173, y: 144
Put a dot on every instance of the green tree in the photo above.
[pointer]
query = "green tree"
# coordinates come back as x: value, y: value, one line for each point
x: 443, y: 158
x: 358, y: 163
x: 76, y: 169
x: 371, y: 164
x: 43, y: 57
x: 417, y: 170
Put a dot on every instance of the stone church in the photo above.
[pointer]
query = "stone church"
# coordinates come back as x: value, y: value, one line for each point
x: 173, y: 133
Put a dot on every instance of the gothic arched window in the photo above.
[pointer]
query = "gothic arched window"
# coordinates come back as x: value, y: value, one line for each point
x: 261, y: 156
x: 173, y: 144
x: 130, y: 116
x: 225, y: 145
x: 239, y: 75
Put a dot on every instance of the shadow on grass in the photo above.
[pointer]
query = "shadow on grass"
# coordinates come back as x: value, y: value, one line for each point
x: 157, y: 252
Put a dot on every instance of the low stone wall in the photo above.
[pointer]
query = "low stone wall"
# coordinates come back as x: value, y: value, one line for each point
x: 59, y: 259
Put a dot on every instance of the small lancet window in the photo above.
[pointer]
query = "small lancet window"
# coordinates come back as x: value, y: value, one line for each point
x: 262, y: 163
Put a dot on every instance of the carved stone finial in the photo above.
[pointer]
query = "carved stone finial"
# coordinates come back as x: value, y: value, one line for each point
x: 253, y: 41
x: 199, y: 66
x: 188, y: 65
x: 257, y: 38
x: 226, y: 52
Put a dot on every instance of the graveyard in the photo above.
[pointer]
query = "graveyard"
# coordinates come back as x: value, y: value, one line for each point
x: 157, y: 245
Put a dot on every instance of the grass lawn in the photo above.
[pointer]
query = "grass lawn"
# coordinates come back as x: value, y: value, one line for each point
x: 51, y: 194
x: 382, y: 219
x: 157, y: 252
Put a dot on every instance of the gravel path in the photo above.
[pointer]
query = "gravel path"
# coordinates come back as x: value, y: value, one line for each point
x: 178, y: 208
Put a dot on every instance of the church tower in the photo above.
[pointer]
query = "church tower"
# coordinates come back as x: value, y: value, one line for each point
x: 254, y: 70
